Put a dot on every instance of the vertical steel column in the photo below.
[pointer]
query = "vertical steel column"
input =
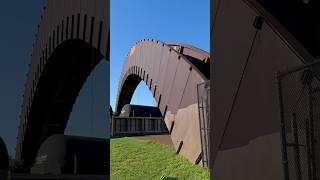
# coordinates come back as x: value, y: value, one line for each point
x: 200, y: 122
x: 314, y: 170
x: 144, y: 125
x: 308, y: 149
x: 135, y: 125
x: 296, y: 146
x: 283, y: 130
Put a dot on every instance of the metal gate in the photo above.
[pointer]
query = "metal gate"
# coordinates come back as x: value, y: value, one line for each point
x: 203, y: 92
x: 299, y: 97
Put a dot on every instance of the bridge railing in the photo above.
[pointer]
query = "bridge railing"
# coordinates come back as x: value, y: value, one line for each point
x: 203, y: 92
x: 122, y: 126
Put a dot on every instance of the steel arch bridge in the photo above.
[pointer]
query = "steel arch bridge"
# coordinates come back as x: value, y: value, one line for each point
x: 172, y: 72
x: 72, y: 37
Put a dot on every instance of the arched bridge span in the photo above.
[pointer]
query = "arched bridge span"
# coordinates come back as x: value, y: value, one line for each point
x: 172, y: 72
x: 72, y: 37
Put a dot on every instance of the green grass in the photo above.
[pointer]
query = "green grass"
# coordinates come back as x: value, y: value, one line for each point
x: 139, y: 159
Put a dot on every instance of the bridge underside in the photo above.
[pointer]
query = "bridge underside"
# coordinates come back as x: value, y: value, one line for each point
x: 59, y: 85
x: 131, y: 84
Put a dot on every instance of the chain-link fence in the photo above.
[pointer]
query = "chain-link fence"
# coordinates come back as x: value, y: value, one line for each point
x: 299, y: 93
x: 203, y: 91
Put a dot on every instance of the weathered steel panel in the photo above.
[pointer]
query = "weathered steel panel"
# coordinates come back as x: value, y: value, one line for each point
x: 156, y: 51
x: 168, y: 84
x: 142, y: 57
x: 157, y: 66
x: 173, y: 75
x: 186, y: 126
x: 190, y: 92
x: 179, y: 85
x: 267, y: 47
x: 161, y: 76
x: 231, y: 51
x: 93, y: 25
x: 82, y: 17
x: 257, y: 102
x: 55, y: 14
x: 150, y: 58
x: 252, y: 134
x: 104, y: 9
x: 134, y: 58
x: 135, y: 52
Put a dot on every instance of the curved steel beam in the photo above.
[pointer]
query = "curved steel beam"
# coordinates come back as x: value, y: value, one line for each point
x: 72, y: 38
x: 172, y: 76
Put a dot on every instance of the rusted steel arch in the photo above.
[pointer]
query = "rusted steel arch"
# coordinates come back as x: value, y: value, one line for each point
x: 198, y: 57
x: 72, y: 37
x: 171, y: 72
x: 191, y: 51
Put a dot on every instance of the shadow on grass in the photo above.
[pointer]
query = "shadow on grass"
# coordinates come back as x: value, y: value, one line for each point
x: 169, y: 178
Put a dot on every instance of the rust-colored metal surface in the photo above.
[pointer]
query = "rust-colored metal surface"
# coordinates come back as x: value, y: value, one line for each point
x: 72, y: 38
x: 172, y: 72
x: 245, y: 118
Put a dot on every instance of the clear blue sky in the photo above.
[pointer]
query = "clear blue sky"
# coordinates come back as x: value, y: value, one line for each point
x: 19, y: 20
x: 184, y: 21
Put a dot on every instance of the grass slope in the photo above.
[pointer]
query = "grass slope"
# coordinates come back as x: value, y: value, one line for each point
x: 139, y: 159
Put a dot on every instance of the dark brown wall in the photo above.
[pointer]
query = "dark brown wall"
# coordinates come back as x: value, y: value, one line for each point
x: 245, y: 118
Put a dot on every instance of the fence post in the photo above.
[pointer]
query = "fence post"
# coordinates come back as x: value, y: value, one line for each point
x: 314, y: 170
x: 283, y: 129
x: 308, y: 149
x: 296, y: 146
x: 112, y: 125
